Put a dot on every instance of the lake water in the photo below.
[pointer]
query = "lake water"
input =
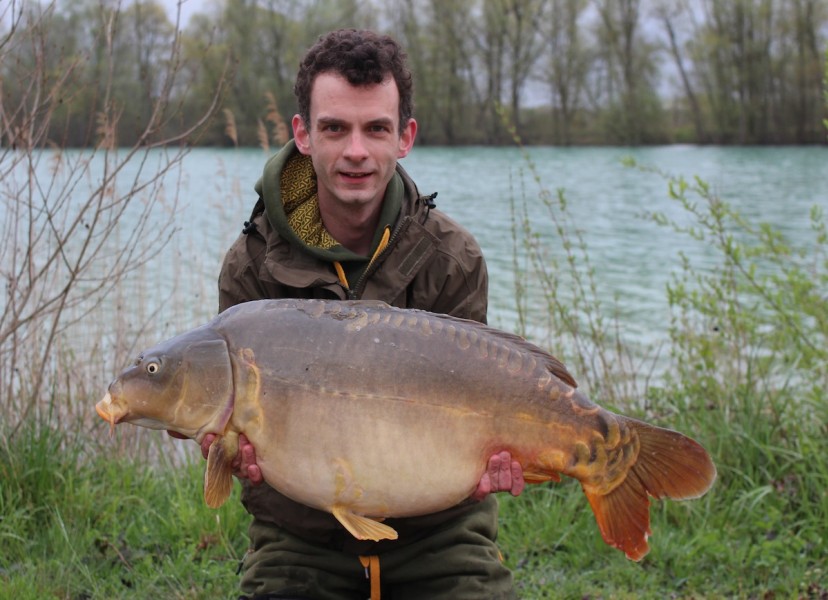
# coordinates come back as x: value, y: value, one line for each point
x: 633, y: 258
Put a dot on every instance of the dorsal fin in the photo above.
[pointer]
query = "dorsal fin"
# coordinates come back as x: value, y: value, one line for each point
x: 553, y: 365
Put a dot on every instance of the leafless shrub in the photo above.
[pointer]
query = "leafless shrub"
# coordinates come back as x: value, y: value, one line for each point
x: 75, y: 222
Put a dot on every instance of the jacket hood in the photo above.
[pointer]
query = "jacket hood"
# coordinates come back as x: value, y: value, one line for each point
x: 288, y: 189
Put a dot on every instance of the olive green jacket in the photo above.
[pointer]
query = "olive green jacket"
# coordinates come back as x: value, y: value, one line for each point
x: 430, y: 263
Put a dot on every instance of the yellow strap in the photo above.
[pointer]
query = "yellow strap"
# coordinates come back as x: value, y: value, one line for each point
x: 383, y: 244
x: 372, y: 572
x: 340, y: 272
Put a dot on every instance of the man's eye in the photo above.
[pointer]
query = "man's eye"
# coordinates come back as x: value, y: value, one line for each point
x: 333, y: 128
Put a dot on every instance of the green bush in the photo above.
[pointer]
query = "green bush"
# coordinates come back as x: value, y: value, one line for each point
x: 746, y: 377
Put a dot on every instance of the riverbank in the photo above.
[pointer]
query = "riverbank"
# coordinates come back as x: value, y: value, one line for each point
x: 88, y: 516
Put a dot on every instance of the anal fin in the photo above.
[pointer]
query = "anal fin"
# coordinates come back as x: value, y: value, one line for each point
x: 363, y: 528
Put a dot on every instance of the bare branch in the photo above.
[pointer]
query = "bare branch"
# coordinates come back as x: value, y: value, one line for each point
x: 76, y: 223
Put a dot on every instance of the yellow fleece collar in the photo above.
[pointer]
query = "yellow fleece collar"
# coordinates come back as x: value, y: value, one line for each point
x: 301, y: 202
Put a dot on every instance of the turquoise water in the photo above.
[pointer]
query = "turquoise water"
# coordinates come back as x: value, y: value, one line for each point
x: 633, y: 258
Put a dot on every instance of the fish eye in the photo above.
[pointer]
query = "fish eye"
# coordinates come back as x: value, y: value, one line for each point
x: 153, y: 367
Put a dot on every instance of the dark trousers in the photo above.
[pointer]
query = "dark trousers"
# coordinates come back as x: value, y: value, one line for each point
x: 457, y: 561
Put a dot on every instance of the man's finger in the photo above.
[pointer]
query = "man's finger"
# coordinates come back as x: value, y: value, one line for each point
x: 248, y: 457
x: 254, y: 474
x: 206, y: 442
x: 484, y: 488
x: 518, y: 483
x: 494, y: 471
x: 504, y: 474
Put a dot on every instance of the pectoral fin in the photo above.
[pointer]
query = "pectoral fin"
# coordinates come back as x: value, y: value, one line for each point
x: 218, y: 477
x: 363, y: 528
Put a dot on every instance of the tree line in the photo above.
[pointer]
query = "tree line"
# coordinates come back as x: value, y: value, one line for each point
x: 560, y: 72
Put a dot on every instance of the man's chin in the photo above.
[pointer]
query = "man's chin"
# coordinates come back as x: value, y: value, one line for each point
x: 359, y: 197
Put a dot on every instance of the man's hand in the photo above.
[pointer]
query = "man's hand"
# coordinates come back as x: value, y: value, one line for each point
x: 502, y: 475
x: 244, y: 464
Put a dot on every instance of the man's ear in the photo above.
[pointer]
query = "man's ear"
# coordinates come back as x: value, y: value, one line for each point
x: 407, y: 136
x: 301, y: 135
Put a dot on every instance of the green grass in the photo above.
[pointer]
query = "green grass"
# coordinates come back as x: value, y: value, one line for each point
x: 79, y: 523
x: 85, y: 517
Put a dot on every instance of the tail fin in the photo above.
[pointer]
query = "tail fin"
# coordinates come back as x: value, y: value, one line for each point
x: 669, y: 465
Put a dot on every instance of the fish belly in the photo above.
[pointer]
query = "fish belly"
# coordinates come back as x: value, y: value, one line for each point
x: 375, y: 456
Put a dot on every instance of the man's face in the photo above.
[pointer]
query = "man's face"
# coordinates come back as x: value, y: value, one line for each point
x: 353, y: 139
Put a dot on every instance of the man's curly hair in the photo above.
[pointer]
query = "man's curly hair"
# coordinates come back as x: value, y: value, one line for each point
x: 362, y: 57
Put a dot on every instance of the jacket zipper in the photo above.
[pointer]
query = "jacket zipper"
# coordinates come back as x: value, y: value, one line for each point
x: 355, y: 293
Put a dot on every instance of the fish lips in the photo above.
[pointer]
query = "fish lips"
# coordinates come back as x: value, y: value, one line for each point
x: 110, y: 411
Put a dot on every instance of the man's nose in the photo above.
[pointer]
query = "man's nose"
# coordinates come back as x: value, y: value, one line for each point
x: 356, y: 148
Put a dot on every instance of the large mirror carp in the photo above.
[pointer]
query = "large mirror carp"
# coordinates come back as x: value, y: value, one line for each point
x: 345, y: 402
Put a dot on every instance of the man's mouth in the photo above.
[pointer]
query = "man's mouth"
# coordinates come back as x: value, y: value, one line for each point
x: 355, y: 174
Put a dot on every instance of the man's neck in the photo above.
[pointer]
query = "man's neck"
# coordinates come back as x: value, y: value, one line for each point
x: 354, y: 229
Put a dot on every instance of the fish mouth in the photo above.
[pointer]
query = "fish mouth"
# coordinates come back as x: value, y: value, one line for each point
x: 109, y: 412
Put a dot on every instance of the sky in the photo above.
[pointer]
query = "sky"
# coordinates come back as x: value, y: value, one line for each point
x: 188, y: 8
x: 8, y: 8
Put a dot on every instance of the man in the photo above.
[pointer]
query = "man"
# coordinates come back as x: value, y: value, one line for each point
x: 338, y: 218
